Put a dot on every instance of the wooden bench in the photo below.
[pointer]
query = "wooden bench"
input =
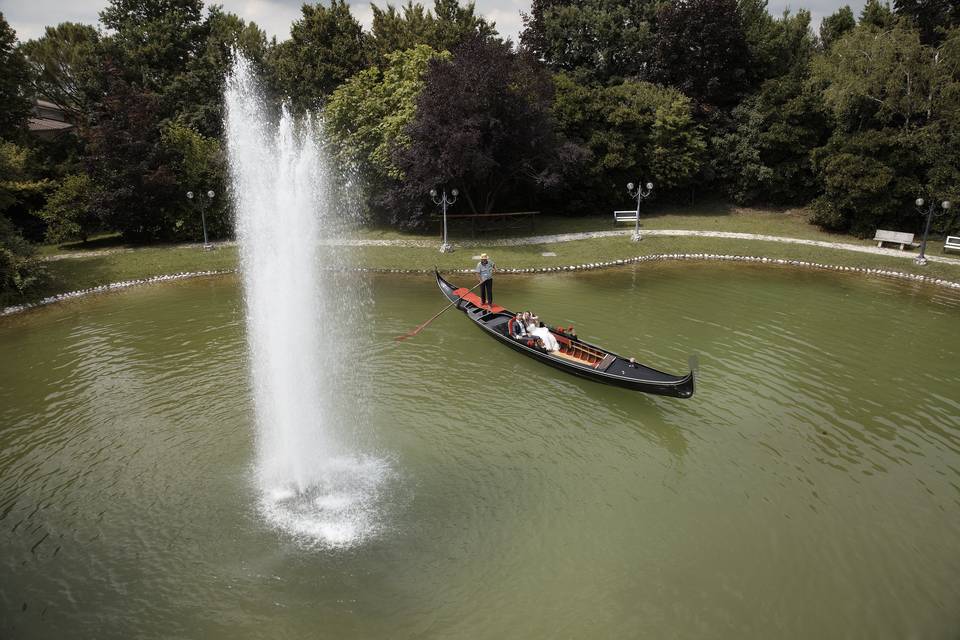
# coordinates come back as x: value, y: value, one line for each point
x: 952, y: 242
x: 624, y: 216
x: 896, y: 237
x: 487, y: 221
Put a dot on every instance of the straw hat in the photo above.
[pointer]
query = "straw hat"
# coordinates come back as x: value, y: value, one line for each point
x: 483, y: 256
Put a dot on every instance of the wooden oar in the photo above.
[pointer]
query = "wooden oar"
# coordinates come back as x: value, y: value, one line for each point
x: 423, y: 326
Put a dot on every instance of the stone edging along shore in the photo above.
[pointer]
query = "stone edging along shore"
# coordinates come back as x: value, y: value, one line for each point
x: 658, y: 257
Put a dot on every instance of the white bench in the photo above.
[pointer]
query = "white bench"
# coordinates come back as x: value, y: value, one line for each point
x: 625, y: 216
x: 952, y: 242
x: 896, y: 237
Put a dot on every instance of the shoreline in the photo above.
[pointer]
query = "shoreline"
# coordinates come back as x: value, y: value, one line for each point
x: 659, y: 257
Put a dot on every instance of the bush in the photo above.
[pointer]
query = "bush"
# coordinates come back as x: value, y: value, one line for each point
x: 20, y: 271
x: 68, y: 212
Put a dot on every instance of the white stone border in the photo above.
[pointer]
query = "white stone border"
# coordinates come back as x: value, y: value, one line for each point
x: 660, y: 257
x: 113, y: 286
x: 656, y: 257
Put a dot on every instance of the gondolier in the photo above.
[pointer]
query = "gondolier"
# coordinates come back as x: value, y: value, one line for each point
x: 485, y: 270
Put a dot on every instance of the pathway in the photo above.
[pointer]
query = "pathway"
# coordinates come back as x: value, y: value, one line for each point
x: 589, y: 235
x: 571, y: 237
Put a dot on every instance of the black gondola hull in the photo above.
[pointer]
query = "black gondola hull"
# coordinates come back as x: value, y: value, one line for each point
x: 624, y: 374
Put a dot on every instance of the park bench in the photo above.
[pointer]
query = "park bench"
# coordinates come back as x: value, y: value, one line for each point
x: 952, y: 242
x: 896, y: 237
x: 624, y: 216
x: 488, y: 221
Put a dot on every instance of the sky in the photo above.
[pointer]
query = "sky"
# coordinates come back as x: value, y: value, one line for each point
x: 29, y: 17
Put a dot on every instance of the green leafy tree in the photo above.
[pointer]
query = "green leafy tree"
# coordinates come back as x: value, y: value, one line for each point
x: 869, y: 180
x: 886, y: 77
x: 766, y: 159
x: 195, y: 95
x: 69, y: 212
x: 395, y: 29
x: 633, y: 130
x: 834, y: 26
x: 14, y: 80
x: 932, y: 17
x: 63, y: 63
x: 455, y: 24
x: 20, y: 271
x: 21, y: 189
x: 777, y: 45
x: 702, y: 50
x: 152, y: 40
x: 596, y: 39
x: 443, y: 29
x: 367, y: 116
x: 200, y: 165
x: 326, y: 47
x: 877, y: 14
x: 895, y: 102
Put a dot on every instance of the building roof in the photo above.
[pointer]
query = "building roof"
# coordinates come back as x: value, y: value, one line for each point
x: 47, y: 124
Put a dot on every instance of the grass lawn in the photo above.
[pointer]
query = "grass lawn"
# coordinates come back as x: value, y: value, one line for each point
x: 81, y: 273
x: 110, y: 260
x: 606, y: 249
x: 709, y: 216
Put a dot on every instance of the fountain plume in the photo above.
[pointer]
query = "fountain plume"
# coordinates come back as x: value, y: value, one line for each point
x: 298, y: 311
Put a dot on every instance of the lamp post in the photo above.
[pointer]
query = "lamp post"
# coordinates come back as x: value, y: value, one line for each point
x: 640, y: 194
x: 922, y: 258
x: 443, y: 201
x: 203, y: 218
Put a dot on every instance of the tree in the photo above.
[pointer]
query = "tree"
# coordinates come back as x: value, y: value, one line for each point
x: 887, y: 77
x: 767, y: 156
x: 701, y: 49
x: 633, y: 130
x: 895, y: 102
x: 598, y: 39
x: 153, y: 39
x: 69, y: 212
x: 200, y: 165
x: 21, y: 190
x: 367, y: 115
x: 777, y: 46
x: 195, y: 95
x: 932, y: 17
x: 482, y: 124
x: 325, y: 48
x: 14, y: 79
x: 62, y: 62
x: 394, y: 30
x: 455, y: 24
x: 877, y: 15
x: 868, y: 180
x: 134, y: 185
x: 443, y: 29
x: 20, y: 271
x: 834, y: 26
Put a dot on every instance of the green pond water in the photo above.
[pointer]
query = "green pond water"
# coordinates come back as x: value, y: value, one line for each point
x: 810, y: 488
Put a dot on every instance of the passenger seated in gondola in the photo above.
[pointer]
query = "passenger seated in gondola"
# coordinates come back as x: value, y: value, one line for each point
x: 547, y: 339
x: 517, y: 327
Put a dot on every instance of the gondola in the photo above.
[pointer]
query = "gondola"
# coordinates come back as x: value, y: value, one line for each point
x: 575, y: 356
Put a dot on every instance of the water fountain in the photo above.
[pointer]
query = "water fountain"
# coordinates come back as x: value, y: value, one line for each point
x: 302, y: 323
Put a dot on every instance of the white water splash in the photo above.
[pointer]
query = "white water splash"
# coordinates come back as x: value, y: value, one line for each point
x: 302, y: 325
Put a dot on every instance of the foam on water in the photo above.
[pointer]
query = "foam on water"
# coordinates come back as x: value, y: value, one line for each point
x: 311, y: 479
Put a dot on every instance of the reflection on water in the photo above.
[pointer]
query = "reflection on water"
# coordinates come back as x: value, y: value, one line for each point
x: 809, y: 489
